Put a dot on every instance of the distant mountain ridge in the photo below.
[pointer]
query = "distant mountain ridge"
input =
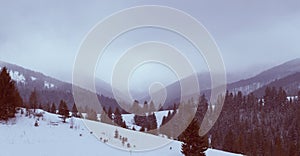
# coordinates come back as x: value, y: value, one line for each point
x: 49, y: 89
x: 291, y: 84
x: 266, y: 77
x: 287, y: 71
x: 285, y: 75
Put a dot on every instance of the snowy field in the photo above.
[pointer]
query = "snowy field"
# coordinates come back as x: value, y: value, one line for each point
x: 54, y: 138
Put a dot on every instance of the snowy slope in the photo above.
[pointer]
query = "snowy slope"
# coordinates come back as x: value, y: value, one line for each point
x: 53, y: 138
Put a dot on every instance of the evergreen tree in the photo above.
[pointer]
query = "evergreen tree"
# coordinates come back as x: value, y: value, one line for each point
x: 63, y: 110
x: 140, y: 120
x: 75, y: 111
x: 278, y: 151
x: 92, y: 115
x: 9, y: 96
x: 152, y: 122
x: 136, y: 109
x: 104, y: 117
x: 193, y: 144
x: 228, y: 142
x: 53, y: 108
x: 40, y: 106
x: 48, y: 107
x: 33, y: 101
x: 118, y: 118
x: 152, y: 107
x: 109, y: 113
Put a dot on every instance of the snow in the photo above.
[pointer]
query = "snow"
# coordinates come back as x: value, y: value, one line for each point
x: 16, y: 76
x: 128, y: 118
x: 48, y: 85
x: 54, y: 138
x: 292, y: 98
x: 214, y: 152
x: 32, y: 78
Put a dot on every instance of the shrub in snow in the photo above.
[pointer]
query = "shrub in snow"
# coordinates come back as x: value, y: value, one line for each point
x: 36, y: 124
x: 116, y: 134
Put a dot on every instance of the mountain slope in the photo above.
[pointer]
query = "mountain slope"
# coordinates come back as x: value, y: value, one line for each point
x: 246, y: 86
x: 54, y: 138
x: 266, y: 77
x: 50, y: 90
x: 291, y: 84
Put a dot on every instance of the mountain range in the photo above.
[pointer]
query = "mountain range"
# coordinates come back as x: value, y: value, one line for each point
x: 50, y: 90
x: 286, y: 75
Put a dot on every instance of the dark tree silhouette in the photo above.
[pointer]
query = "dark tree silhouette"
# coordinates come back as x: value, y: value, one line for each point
x: 75, y: 111
x: 33, y: 100
x: 53, y: 108
x: 9, y: 96
x: 63, y: 110
x: 193, y: 144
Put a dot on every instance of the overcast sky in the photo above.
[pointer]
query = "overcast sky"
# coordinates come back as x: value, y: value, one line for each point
x: 45, y: 35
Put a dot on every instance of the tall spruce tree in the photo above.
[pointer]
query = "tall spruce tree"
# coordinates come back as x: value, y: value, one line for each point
x: 63, y: 110
x: 193, y: 144
x: 75, y: 111
x: 104, y: 118
x: 118, y: 118
x: 9, y: 96
x: 33, y: 101
x: 53, y: 108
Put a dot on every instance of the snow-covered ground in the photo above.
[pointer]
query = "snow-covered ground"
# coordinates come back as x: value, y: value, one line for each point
x: 54, y: 138
x: 128, y: 118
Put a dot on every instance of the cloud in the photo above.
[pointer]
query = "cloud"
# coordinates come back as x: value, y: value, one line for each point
x: 45, y: 36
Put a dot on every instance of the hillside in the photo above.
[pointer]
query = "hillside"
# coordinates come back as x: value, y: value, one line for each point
x: 266, y: 77
x: 246, y: 86
x: 291, y: 84
x: 50, y: 89
x: 54, y: 138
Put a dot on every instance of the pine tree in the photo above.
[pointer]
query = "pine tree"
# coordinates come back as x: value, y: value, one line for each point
x: 33, y: 101
x: 9, y: 96
x: 92, y: 115
x: 53, y: 108
x: 278, y: 151
x: 75, y: 111
x: 118, y: 118
x: 48, y: 107
x: 145, y: 107
x: 104, y: 117
x: 109, y: 113
x: 228, y: 142
x: 136, y: 109
x: 63, y: 110
x: 152, y: 107
x: 140, y: 120
x: 152, y: 122
x: 193, y: 144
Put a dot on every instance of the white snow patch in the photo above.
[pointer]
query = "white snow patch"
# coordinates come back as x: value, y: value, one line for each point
x: 33, y: 78
x: 214, y: 152
x: 48, y: 85
x: 16, y: 76
x: 128, y: 118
